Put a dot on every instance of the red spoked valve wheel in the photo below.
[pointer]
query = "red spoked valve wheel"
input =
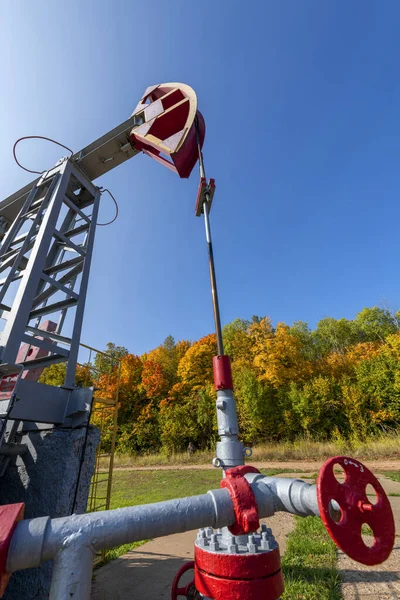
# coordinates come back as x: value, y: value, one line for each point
x: 355, y: 510
x: 187, y: 591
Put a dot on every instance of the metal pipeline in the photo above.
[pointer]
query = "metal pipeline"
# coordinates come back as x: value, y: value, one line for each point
x: 72, y: 541
x: 37, y: 540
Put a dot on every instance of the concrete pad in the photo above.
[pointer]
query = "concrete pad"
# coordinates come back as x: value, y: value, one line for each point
x: 395, y: 504
x: 361, y: 582
x: 304, y: 476
x: 390, y: 486
x: 147, y: 572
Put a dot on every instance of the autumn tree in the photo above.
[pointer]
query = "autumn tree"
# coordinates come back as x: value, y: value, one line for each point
x: 104, y: 362
x: 195, y: 366
x: 280, y: 358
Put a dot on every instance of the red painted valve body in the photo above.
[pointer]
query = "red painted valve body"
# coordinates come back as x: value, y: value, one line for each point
x: 238, y: 576
x: 356, y: 509
x: 10, y: 514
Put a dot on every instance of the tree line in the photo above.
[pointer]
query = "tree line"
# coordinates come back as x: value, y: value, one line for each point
x: 338, y: 381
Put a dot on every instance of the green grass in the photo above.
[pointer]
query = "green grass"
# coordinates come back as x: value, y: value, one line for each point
x: 309, y: 564
x: 131, y: 488
x: 394, y: 475
x: 378, y: 447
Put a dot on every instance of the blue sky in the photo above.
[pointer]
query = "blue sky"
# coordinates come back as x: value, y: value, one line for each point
x: 301, y: 101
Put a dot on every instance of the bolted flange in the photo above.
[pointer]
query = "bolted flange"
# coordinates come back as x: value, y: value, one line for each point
x: 243, y: 567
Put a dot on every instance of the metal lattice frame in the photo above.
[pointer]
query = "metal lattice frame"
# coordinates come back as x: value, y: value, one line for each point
x: 47, y: 252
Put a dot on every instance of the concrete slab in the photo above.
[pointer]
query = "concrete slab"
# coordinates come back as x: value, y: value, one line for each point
x: 395, y: 504
x: 361, y: 582
x: 390, y: 486
x: 147, y: 572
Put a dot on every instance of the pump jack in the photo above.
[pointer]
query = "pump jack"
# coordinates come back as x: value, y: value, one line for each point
x: 48, y: 229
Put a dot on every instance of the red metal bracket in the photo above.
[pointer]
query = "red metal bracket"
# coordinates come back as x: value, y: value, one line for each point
x: 204, y: 187
x: 356, y: 509
x: 10, y: 514
x: 244, y: 502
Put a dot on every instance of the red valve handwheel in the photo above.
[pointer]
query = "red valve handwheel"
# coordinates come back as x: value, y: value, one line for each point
x: 187, y: 589
x: 356, y: 509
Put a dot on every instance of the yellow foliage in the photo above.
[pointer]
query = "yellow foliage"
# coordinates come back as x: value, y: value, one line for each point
x: 279, y: 358
x: 195, y: 367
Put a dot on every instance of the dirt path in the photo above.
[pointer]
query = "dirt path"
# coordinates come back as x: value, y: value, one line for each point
x: 304, y: 465
x: 361, y: 582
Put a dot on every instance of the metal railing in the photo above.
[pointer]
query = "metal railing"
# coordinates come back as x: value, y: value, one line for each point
x: 105, y: 375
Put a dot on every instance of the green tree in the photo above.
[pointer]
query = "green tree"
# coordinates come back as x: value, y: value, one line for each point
x: 335, y: 335
x: 105, y: 364
x: 376, y: 323
x: 258, y: 411
x: 236, y: 338
x: 317, y: 405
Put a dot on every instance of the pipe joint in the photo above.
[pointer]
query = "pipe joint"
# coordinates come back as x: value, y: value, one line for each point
x: 275, y: 494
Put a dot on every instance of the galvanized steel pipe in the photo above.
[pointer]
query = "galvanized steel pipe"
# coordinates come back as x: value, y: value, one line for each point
x: 274, y: 494
x: 72, y: 541
x: 38, y: 540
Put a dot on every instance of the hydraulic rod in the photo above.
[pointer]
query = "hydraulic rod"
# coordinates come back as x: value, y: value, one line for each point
x: 206, y: 212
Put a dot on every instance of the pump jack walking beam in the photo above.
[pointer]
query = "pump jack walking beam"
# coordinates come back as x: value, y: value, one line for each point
x: 48, y: 229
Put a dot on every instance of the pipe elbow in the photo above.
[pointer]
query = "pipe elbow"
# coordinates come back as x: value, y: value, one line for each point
x: 275, y: 494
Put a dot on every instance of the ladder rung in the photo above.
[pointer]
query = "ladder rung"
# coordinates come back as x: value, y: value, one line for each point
x: 62, y: 238
x: 96, y: 508
x: 42, y: 362
x: 68, y: 277
x: 49, y: 334
x: 9, y: 254
x: 18, y: 276
x: 19, y: 239
x: 45, y: 310
x: 77, y: 230
x: 4, y: 307
x: 45, y: 345
x: 63, y: 266
x: 23, y: 261
x: 71, y: 204
x: 105, y: 401
x: 33, y: 208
